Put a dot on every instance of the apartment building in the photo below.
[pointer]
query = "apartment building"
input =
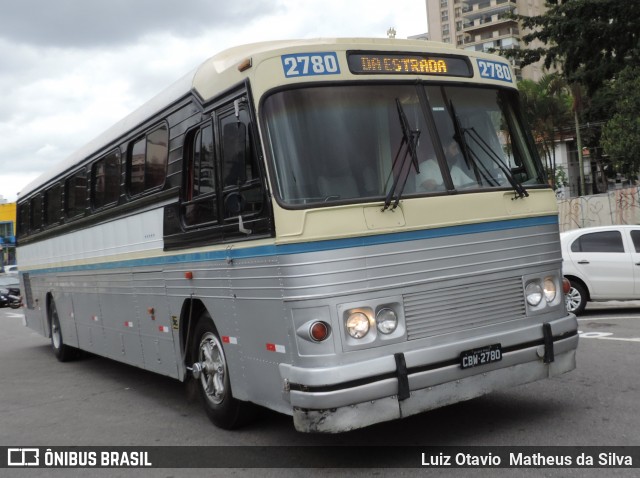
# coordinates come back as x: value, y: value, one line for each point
x: 482, y: 25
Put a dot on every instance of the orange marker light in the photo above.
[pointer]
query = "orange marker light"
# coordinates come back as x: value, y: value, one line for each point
x: 188, y: 275
x: 566, y: 285
x: 319, y: 331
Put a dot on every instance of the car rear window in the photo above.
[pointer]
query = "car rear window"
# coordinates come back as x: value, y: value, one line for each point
x: 606, y: 241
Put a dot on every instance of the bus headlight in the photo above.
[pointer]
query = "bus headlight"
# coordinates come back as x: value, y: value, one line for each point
x: 387, y: 321
x: 533, y: 293
x: 357, y: 325
x: 550, y: 290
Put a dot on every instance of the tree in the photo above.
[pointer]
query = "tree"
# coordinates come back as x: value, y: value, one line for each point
x: 592, y: 40
x: 621, y: 134
x: 547, y: 107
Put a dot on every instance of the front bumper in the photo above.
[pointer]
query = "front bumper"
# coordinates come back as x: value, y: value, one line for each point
x: 342, y: 398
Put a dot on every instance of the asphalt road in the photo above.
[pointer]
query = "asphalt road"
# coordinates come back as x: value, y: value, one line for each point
x: 98, y: 402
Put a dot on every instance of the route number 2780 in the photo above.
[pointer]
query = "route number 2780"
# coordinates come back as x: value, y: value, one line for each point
x: 494, y: 70
x: 310, y: 64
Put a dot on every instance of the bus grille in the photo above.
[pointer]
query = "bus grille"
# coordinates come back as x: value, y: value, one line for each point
x: 455, y: 309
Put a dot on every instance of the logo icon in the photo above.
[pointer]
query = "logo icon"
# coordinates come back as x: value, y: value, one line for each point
x: 23, y: 457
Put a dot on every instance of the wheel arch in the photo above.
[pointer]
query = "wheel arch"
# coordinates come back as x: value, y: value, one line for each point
x: 192, y: 309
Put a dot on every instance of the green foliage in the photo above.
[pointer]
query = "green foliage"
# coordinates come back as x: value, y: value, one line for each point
x: 621, y: 134
x: 547, y: 108
x: 592, y: 40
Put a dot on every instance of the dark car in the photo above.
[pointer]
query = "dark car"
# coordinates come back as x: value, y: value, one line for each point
x: 9, y: 290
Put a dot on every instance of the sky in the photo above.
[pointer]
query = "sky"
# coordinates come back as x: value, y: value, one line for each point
x: 69, y: 69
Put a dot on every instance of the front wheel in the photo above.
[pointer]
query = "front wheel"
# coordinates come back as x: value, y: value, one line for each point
x: 214, y: 386
x: 576, y: 299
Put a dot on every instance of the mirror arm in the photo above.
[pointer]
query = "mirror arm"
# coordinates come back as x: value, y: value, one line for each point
x: 241, y: 227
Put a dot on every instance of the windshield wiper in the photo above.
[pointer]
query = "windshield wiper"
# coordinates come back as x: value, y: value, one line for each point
x: 519, y: 189
x: 408, y: 150
x: 471, y: 160
x: 470, y: 155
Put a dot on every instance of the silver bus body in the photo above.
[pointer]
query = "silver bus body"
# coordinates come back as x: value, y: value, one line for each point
x: 453, y: 268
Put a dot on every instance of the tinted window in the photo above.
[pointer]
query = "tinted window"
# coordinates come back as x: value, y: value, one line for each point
x: 148, y: 161
x: 105, y: 176
x: 635, y: 236
x: 75, y: 194
x: 36, y: 213
x: 240, y: 172
x: 607, y: 241
x: 53, y: 205
x: 23, y: 218
x: 201, y: 202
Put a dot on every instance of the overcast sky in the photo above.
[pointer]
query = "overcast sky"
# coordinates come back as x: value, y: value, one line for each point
x: 71, y: 68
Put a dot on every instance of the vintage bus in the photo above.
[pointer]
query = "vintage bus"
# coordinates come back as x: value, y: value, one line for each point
x: 347, y: 231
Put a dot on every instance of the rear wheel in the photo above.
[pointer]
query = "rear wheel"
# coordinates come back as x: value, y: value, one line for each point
x: 214, y: 386
x: 576, y: 299
x: 62, y: 352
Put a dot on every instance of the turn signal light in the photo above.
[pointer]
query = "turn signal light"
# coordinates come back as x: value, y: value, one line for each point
x: 566, y: 285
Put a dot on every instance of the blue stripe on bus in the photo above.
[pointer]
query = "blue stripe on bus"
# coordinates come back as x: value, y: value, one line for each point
x: 317, y: 246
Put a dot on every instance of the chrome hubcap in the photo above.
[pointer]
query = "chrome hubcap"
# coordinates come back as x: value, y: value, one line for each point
x: 212, y: 368
x: 573, y: 299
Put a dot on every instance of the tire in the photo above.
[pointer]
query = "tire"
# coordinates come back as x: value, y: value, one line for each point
x: 63, y: 352
x: 214, y: 387
x: 576, y: 299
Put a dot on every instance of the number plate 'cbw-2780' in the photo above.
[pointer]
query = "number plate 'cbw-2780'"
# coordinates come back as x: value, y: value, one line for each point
x: 481, y: 356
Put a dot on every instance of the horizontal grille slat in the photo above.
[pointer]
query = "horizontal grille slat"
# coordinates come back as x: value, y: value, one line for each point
x: 455, y: 309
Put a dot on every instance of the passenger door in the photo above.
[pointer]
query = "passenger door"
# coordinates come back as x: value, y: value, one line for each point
x: 604, y: 264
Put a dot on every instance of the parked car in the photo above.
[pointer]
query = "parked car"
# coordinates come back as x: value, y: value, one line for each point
x: 10, y: 292
x: 11, y: 269
x: 602, y: 263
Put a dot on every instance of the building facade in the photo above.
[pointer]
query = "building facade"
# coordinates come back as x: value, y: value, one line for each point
x: 482, y: 25
x: 7, y: 234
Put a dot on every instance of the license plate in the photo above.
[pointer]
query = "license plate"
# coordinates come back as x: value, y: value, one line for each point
x: 481, y: 356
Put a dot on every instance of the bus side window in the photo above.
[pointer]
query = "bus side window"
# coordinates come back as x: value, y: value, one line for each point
x: 148, y: 161
x: 243, y: 195
x: 35, y: 220
x: 23, y: 219
x: 53, y: 205
x: 200, y: 199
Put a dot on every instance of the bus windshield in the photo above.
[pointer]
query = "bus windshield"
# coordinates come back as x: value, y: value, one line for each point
x: 348, y: 143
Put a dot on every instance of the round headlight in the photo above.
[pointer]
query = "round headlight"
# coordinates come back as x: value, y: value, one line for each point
x: 533, y: 292
x: 357, y: 325
x: 387, y: 321
x: 549, y: 289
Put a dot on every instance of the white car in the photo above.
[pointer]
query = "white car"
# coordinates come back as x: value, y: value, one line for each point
x: 11, y: 269
x: 602, y: 263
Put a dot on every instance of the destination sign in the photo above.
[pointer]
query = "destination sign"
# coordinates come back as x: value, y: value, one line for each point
x: 408, y: 64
